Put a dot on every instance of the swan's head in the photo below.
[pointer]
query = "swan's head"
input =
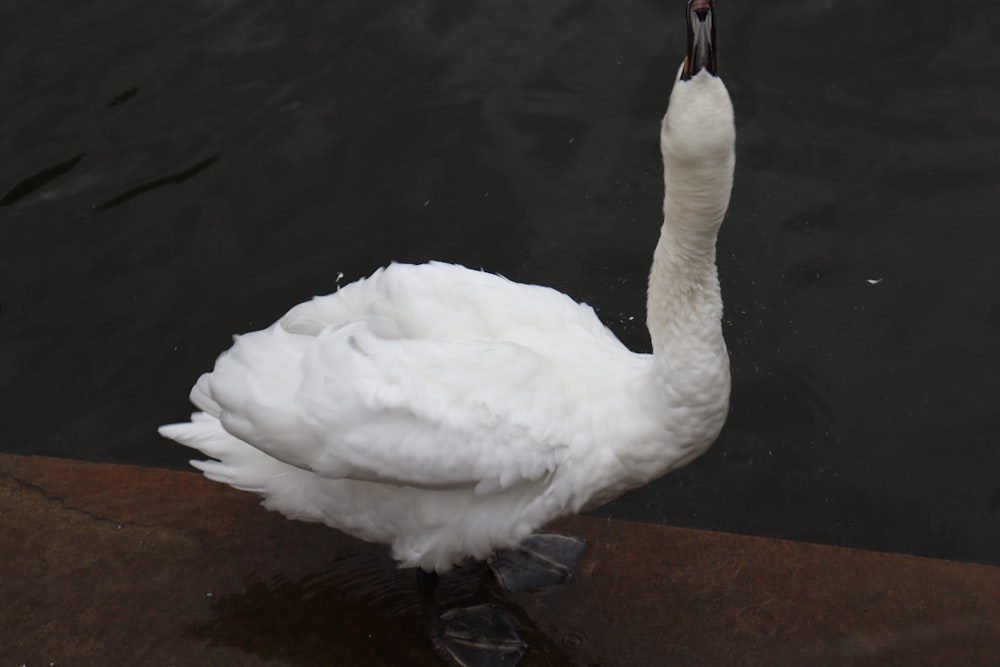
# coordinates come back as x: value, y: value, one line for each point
x: 698, y: 129
x: 701, y: 40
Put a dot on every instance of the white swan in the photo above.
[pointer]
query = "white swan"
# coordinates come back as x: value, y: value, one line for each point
x: 448, y: 412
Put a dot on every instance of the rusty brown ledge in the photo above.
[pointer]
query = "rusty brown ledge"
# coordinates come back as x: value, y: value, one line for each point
x: 117, y: 565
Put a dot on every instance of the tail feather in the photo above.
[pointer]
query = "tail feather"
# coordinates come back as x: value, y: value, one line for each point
x: 237, y: 463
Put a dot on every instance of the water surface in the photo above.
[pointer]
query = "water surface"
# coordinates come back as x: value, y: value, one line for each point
x: 174, y: 173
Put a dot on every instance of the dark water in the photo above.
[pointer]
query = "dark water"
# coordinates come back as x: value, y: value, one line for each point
x: 173, y: 173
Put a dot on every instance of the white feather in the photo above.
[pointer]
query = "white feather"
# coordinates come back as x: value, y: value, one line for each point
x: 448, y: 412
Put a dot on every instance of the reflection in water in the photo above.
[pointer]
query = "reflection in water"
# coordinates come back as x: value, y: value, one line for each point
x: 35, y: 181
x: 306, y: 621
x: 123, y: 97
x: 172, y: 179
x: 363, y: 607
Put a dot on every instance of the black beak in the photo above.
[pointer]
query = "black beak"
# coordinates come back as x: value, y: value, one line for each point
x: 701, y: 38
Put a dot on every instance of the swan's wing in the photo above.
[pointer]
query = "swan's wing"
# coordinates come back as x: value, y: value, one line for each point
x: 440, y: 413
x: 363, y: 400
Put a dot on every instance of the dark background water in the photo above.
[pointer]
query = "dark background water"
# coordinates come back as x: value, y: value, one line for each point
x: 173, y: 173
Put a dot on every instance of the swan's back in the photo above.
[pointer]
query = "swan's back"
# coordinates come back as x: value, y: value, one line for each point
x: 446, y: 301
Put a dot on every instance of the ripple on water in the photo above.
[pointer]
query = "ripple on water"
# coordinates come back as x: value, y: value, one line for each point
x: 360, y: 605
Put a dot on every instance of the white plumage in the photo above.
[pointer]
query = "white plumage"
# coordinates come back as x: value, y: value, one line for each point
x: 449, y: 412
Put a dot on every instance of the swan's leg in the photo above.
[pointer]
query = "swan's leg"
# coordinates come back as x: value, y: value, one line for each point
x: 542, y: 559
x: 426, y: 585
x: 479, y: 636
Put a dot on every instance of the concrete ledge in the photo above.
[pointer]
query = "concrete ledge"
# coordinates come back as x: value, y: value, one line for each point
x: 115, y: 565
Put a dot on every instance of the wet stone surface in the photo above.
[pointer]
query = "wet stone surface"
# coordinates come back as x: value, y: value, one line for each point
x: 117, y: 565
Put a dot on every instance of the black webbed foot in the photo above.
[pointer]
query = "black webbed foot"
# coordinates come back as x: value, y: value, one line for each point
x: 542, y: 559
x: 481, y: 636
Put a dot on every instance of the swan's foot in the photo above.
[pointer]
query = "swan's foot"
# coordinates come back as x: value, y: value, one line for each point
x: 480, y: 636
x: 542, y: 559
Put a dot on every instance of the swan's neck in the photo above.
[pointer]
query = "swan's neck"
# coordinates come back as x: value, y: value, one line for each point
x: 684, y: 306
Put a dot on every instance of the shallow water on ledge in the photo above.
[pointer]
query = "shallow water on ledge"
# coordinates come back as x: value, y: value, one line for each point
x: 174, y: 174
